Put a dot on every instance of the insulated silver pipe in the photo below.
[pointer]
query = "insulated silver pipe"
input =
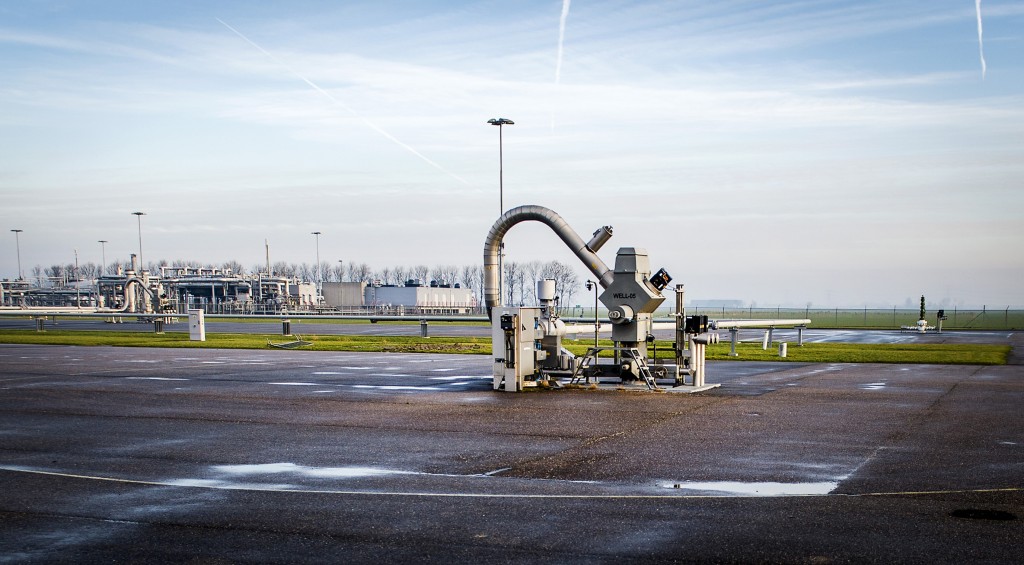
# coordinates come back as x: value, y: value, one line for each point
x: 128, y: 297
x: 727, y: 324
x: 492, y: 246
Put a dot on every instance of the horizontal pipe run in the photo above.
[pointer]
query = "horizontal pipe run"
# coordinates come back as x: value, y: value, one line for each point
x: 726, y: 324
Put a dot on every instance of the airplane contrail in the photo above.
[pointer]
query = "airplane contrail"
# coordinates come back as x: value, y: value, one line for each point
x: 981, y: 46
x: 558, y: 59
x: 348, y: 108
x: 561, y: 39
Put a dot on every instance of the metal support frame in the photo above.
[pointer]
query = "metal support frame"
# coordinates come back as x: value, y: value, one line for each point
x: 630, y: 353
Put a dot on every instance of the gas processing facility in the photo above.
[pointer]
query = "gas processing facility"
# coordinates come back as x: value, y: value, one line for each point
x: 216, y: 291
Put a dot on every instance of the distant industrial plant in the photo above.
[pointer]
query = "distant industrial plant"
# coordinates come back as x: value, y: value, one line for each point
x: 174, y: 289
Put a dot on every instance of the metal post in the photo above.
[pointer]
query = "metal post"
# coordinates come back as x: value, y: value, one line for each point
x: 103, y: 247
x: 139, y: 215
x: 733, y: 335
x: 500, y: 122
x: 78, y: 285
x: 680, y: 337
x: 17, y: 243
x: 316, y: 272
x: 800, y: 336
x: 597, y: 323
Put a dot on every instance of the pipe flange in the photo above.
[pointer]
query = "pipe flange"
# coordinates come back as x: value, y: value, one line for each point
x: 621, y: 314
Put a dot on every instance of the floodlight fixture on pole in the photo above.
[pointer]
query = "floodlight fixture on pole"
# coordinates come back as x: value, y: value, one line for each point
x: 317, y: 271
x: 17, y: 243
x: 103, y: 246
x: 139, y: 215
x: 501, y: 191
x: 501, y: 172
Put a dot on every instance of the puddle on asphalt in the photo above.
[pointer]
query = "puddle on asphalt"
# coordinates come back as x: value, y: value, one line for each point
x: 208, y: 483
x: 154, y: 379
x: 460, y: 377
x: 873, y: 386
x: 295, y: 384
x: 302, y: 470
x: 736, y: 488
x: 398, y: 387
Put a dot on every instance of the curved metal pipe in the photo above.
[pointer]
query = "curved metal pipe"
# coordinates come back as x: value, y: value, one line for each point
x: 127, y: 298
x: 492, y: 246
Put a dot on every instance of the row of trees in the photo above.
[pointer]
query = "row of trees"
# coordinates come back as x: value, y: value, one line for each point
x: 519, y: 284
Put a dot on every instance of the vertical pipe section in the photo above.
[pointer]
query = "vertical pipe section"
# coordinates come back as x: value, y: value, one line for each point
x: 680, y: 342
x: 492, y: 246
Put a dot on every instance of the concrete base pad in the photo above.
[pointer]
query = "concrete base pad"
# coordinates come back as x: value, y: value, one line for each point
x: 615, y: 385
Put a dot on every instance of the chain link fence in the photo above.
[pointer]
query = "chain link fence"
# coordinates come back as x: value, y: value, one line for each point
x: 876, y: 318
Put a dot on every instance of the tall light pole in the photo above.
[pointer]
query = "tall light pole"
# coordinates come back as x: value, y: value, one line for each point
x: 78, y: 285
x: 500, y: 122
x: 317, y: 271
x: 17, y: 243
x: 139, y: 215
x: 103, y: 246
x: 501, y: 166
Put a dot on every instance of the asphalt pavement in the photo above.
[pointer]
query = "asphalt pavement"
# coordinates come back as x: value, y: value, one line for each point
x: 216, y: 456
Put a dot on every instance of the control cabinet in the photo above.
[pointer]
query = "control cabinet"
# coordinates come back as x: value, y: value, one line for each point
x: 517, y: 348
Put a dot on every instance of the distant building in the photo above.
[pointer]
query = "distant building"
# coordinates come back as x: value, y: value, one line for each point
x: 218, y: 291
x: 416, y: 298
x: 14, y: 293
x: 215, y: 291
x: 344, y: 295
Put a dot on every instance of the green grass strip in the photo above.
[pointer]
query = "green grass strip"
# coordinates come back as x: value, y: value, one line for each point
x: 947, y: 354
x: 935, y: 353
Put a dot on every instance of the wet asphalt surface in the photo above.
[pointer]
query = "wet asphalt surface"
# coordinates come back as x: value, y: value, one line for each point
x: 217, y: 456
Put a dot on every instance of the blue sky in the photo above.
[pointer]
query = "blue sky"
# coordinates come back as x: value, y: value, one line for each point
x: 823, y: 152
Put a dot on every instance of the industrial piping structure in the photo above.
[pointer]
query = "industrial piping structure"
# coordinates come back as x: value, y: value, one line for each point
x: 527, y: 340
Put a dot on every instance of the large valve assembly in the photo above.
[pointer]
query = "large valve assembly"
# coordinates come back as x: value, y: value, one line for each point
x: 527, y: 341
